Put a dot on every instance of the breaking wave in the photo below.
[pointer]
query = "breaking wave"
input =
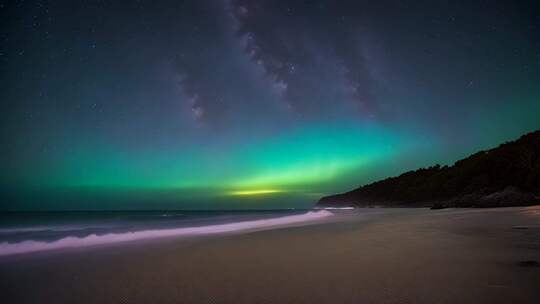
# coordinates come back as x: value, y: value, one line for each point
x: 111, y: 238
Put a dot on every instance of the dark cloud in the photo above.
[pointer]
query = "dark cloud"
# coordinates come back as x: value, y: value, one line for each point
x: 295, y: 59
x: 198, y: 59
x: 223, y: 88
x: 303, y: 46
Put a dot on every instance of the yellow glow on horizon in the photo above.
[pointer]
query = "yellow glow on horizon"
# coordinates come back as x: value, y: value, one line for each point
x: 255, y: 192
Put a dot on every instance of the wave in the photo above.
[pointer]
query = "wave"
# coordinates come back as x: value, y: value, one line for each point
x: 111, y: 238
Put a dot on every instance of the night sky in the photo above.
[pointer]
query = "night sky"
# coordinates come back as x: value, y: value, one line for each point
x: 252, y: 104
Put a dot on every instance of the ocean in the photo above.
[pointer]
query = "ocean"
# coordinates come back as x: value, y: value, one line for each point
x: 24, y: 232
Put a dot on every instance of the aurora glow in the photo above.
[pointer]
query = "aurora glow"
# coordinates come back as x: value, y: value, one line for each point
x: 293, y: 163
x: 255, y: 192
x: 219, y: 105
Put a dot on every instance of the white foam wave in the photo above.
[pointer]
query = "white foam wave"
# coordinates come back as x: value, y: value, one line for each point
x: 92, y: 240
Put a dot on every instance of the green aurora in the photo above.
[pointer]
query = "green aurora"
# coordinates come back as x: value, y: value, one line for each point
x: 302, y: 164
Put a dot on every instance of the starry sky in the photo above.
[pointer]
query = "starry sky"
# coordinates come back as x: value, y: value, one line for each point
x: 252, y: 103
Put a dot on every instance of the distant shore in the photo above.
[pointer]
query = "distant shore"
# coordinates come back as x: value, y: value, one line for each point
x: 365, y: 256
x: 506, y: 176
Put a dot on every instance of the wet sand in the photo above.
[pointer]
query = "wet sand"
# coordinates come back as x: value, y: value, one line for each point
x: 396, y: 256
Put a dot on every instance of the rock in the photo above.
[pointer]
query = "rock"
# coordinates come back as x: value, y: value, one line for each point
x: 437, y: 206
x: 510, y: 196
x: 528, y: 263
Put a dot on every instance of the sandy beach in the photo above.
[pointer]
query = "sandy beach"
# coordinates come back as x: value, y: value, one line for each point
x: 391, y: 256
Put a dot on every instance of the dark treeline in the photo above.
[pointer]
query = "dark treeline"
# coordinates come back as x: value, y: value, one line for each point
x: 508, y: 175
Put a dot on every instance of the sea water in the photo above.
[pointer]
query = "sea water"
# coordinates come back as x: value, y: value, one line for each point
x: 23, y: 232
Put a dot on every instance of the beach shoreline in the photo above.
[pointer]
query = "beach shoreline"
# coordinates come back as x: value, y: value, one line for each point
x: 389, y: 256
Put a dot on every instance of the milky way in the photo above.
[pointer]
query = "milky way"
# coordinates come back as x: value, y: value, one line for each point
x: 253, y: 104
